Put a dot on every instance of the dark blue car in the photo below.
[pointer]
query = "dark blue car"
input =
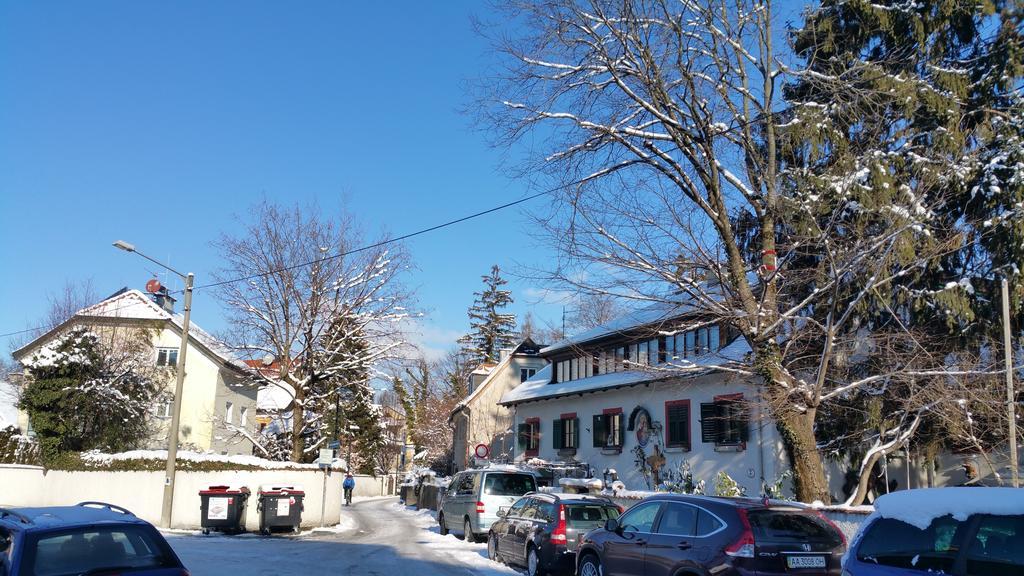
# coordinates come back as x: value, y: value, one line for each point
x: 91, y: 538
x: 952, y: 531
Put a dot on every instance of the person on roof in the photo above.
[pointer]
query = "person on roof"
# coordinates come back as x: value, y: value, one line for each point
x: 348, y: 485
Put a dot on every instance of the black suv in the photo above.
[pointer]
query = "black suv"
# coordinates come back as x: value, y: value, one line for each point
x: 541, y: 530
x: 664, y: 535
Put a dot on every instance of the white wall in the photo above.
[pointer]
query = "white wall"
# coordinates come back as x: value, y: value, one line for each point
x: 744, y: 466
x: 142, y: 492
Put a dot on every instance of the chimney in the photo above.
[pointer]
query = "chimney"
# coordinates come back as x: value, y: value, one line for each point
x: 164, y: 300
x: 504, y: 353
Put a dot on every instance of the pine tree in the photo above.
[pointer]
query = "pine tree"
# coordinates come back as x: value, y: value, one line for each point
x: 91, y: 393
x: 905, y: 121
x: 491, y: 329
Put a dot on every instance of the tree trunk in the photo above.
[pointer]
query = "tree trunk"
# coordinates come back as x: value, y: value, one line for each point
x: 797, y: 429
x: 795, y: 425
x: 298, y: 423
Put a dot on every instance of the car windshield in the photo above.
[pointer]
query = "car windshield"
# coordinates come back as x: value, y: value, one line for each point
x: 97, y: 550
x: 891, y: 542
x: 592, y: 515
x: 509, y: 484
x: 788, y: 526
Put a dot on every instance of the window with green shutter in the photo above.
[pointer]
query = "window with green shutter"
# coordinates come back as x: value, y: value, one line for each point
x: 556, y: 434
x: 677, y: 424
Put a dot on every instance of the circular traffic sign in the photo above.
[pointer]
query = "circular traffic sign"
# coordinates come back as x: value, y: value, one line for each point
x: 482, y: 451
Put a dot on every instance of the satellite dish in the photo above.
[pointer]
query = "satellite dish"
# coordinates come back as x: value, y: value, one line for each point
x: 153, y: 286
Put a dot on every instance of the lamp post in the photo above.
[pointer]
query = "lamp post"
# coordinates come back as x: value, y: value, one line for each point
x: 172, y: 435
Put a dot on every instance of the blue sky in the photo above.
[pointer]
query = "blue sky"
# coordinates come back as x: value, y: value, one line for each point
x: 159, y: 123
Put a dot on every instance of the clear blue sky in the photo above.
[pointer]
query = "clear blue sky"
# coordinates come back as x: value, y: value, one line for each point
x: 159, y: 122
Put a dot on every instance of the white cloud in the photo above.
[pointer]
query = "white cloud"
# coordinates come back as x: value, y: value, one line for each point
x: 431, y: 340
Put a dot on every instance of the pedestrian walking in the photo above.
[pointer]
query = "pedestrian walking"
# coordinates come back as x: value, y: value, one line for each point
x: 348, y: 485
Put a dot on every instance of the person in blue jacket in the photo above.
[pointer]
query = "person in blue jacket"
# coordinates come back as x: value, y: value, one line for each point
x: 348, y: 485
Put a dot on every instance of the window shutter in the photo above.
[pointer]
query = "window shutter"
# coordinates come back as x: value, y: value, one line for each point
x: 524, y: 436
x: 621, y: 430
x: 600, y: 430
x: 575, y: 434
x: 745, y: 424
x: 709, y: 423
x: 678, y: 416
x: 557, y: 439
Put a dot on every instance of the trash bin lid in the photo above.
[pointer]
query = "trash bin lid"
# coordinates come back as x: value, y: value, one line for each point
x: 282, y: 489
x: 224, y: 489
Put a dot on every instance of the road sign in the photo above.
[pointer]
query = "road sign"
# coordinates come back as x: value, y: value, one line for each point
x: 326, y: 457
x: 334, y: 445
x: 482, y: 451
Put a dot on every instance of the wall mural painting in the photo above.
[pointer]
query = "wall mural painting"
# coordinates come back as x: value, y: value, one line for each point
x: 647, y: 432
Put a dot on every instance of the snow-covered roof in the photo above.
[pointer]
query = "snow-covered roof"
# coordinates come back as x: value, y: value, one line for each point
x: 646, y: 316
x: 274, y: 396
x: 8, y: 405
x: 492, y: 374
x: 134, y: 305
x: 540, y: 386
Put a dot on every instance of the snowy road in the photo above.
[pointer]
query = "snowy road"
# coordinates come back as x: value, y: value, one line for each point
x: 384, y: 539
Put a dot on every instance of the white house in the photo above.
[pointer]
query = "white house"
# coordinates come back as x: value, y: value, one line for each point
x: 218, y: 404
x: 640, y: 396
x: 479, y: 420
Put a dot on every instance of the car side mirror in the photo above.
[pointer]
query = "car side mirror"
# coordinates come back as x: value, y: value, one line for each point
x: 503, y: 511
x: 612, y: 525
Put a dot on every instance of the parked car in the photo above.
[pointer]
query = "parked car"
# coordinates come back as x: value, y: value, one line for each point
x: 90, y: 538
x: 666, y: 535
x: 957, y: 531
x: 541, y: 531
x: 470, y: 504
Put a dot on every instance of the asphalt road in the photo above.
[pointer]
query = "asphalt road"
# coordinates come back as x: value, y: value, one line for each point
x: 384, y: 539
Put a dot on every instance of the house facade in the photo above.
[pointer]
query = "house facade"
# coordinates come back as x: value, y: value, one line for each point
x: 218, y: 404
x: 480, y: 419
x: 645, y: 397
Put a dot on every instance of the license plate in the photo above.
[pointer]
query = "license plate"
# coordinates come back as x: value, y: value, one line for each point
x: 805, y: 561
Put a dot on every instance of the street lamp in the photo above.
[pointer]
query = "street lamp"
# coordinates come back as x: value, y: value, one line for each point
x: 172, y: 436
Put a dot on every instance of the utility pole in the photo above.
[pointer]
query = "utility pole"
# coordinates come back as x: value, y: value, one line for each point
x: 179, y: 384
x: 1011, y: 399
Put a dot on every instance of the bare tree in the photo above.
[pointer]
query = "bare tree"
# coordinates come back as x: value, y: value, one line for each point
x: 665, y: 120
x: 328, y: 319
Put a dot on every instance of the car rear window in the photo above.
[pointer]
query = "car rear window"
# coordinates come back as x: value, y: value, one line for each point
x: 94, y: 549
x: 891, y: 542
x: 997, y: 548
x: 791, y: 526
x: 589, y: 514
x: 509, y: 484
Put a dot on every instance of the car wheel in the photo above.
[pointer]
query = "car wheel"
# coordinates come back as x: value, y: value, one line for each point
x: 444, y: 527
x: 467, y: 531
x: 590, y: 566
x: 492, y: 548
x: 533, y: 566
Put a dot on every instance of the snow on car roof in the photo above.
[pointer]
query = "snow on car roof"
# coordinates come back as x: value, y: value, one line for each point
x: 921, y: 506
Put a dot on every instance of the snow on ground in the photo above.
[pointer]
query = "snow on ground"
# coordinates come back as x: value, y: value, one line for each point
x: 376, y: 537
x: 474, y: 555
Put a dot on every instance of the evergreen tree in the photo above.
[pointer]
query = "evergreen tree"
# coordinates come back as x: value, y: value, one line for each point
x: 492, y: 330
x: 86, y: 394
x: 905, y: 122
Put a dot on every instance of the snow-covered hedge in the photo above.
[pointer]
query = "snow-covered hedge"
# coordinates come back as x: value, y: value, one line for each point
x: 16, y: 448
x: 155, y: 460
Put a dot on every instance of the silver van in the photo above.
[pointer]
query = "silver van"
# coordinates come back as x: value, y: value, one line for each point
x: 471, y: 503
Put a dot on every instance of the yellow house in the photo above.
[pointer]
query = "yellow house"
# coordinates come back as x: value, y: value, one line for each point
x: 479, y: 422
x: 218, y: 403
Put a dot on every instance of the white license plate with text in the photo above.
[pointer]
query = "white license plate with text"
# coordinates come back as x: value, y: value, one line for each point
x: 805, y: 561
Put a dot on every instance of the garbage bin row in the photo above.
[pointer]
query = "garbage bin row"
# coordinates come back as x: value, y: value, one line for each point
x: 280, y: 507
